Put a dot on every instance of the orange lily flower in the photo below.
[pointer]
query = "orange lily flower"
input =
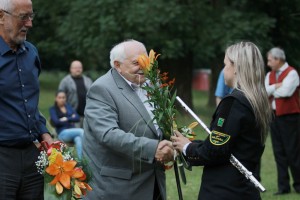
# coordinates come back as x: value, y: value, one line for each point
x: 80, y: 188
x: 171, y: 82
x: 146, y: 62
x: 163, y: 85
x: 79, y: 173
x: 62, y: 170
x: 152, y: 56
x: 193, y: 125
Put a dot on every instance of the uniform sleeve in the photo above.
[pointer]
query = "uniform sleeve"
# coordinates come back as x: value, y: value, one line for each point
x: 225, y: 126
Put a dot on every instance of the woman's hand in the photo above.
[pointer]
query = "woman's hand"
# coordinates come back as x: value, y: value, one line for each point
x: 63, y: 119
x: 179, y: 141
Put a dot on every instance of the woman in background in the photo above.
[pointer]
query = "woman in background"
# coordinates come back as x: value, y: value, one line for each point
x: 239, y: 127
x: 63, y: 117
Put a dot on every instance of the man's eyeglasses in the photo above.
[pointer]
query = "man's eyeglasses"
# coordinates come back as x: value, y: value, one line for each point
x: 22, y: 17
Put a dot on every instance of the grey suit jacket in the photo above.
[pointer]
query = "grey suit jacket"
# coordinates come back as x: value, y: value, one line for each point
x: 120, y: 142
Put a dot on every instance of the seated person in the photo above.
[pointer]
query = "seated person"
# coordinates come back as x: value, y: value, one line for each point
x: 63, y: 117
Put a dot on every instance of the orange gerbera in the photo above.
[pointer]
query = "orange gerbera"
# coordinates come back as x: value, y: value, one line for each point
x: 62, y: 170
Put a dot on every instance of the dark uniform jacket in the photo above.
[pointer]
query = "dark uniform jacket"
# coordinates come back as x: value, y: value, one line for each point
x: 234, y: 131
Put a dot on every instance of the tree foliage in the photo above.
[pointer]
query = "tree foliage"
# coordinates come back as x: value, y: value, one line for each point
x: 188, y: 33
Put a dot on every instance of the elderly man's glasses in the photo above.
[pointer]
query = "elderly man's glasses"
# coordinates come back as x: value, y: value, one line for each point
x: 22, y: 17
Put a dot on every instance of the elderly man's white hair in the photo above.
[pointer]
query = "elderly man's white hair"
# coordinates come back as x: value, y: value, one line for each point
x: 118, y: 52
x: 6, y: 5
x: 277, y: 53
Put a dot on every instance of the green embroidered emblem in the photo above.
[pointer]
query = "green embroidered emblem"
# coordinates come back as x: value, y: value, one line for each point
x: 217, y: 138
x: 220, y: 122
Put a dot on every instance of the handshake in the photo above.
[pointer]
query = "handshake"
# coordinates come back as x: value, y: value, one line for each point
x: 166, y: 149
x: 164, y: 152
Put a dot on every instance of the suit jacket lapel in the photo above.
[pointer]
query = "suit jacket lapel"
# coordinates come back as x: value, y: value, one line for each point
x: 133, y: 98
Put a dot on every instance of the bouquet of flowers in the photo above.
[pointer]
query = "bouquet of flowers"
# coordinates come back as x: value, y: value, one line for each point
x: 158, y: 91
x: 60, y: 168
x: 160, y: 97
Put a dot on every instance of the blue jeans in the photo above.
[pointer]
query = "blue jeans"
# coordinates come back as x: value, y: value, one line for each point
x: 74, y: 135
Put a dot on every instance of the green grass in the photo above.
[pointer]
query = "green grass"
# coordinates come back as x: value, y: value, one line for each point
x: 49, y: 83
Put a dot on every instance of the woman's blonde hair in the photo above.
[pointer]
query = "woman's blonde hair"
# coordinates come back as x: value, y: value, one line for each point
x: 250, y: 76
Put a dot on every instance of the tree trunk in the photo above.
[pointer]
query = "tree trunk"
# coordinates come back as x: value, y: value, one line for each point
x: 182, y: 70
x: 216, y: 67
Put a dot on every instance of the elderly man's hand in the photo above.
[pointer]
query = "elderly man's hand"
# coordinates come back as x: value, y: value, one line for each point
x: 164, y: 152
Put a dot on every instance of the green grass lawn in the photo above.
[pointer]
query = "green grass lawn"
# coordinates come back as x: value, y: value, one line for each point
x: 49, y: 83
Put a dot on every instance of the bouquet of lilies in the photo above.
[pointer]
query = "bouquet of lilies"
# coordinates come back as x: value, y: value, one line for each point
x: 159, y: 95
x: 158, y: 92
x: 61, y: 169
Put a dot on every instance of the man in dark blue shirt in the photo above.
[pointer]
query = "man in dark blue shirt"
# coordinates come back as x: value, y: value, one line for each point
x: 20, y: 120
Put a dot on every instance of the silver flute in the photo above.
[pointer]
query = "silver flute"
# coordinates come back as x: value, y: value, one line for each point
x: 234, y: 161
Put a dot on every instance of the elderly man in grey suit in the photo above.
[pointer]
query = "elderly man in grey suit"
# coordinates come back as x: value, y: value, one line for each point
x: 122, y: 144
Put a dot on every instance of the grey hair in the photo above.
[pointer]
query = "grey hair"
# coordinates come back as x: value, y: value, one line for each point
x: 250, y: 76
x: 118, y: 53
x: 277, y: 53
x: 6, y: 5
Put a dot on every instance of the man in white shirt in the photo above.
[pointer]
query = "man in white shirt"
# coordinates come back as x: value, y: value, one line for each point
x: 282, y: 85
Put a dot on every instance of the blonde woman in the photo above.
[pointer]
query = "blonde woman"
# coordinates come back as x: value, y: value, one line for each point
x: 239, y: 127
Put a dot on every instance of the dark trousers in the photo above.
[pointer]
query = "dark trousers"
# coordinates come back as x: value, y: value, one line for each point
x: 19, y: 179
x: 156, y: 192
x: 285, y: 134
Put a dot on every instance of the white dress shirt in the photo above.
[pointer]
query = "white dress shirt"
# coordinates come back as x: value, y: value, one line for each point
x: 288, y: 87
x: 185, y: 147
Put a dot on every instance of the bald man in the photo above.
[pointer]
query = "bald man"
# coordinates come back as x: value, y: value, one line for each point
x: 76, y: 85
